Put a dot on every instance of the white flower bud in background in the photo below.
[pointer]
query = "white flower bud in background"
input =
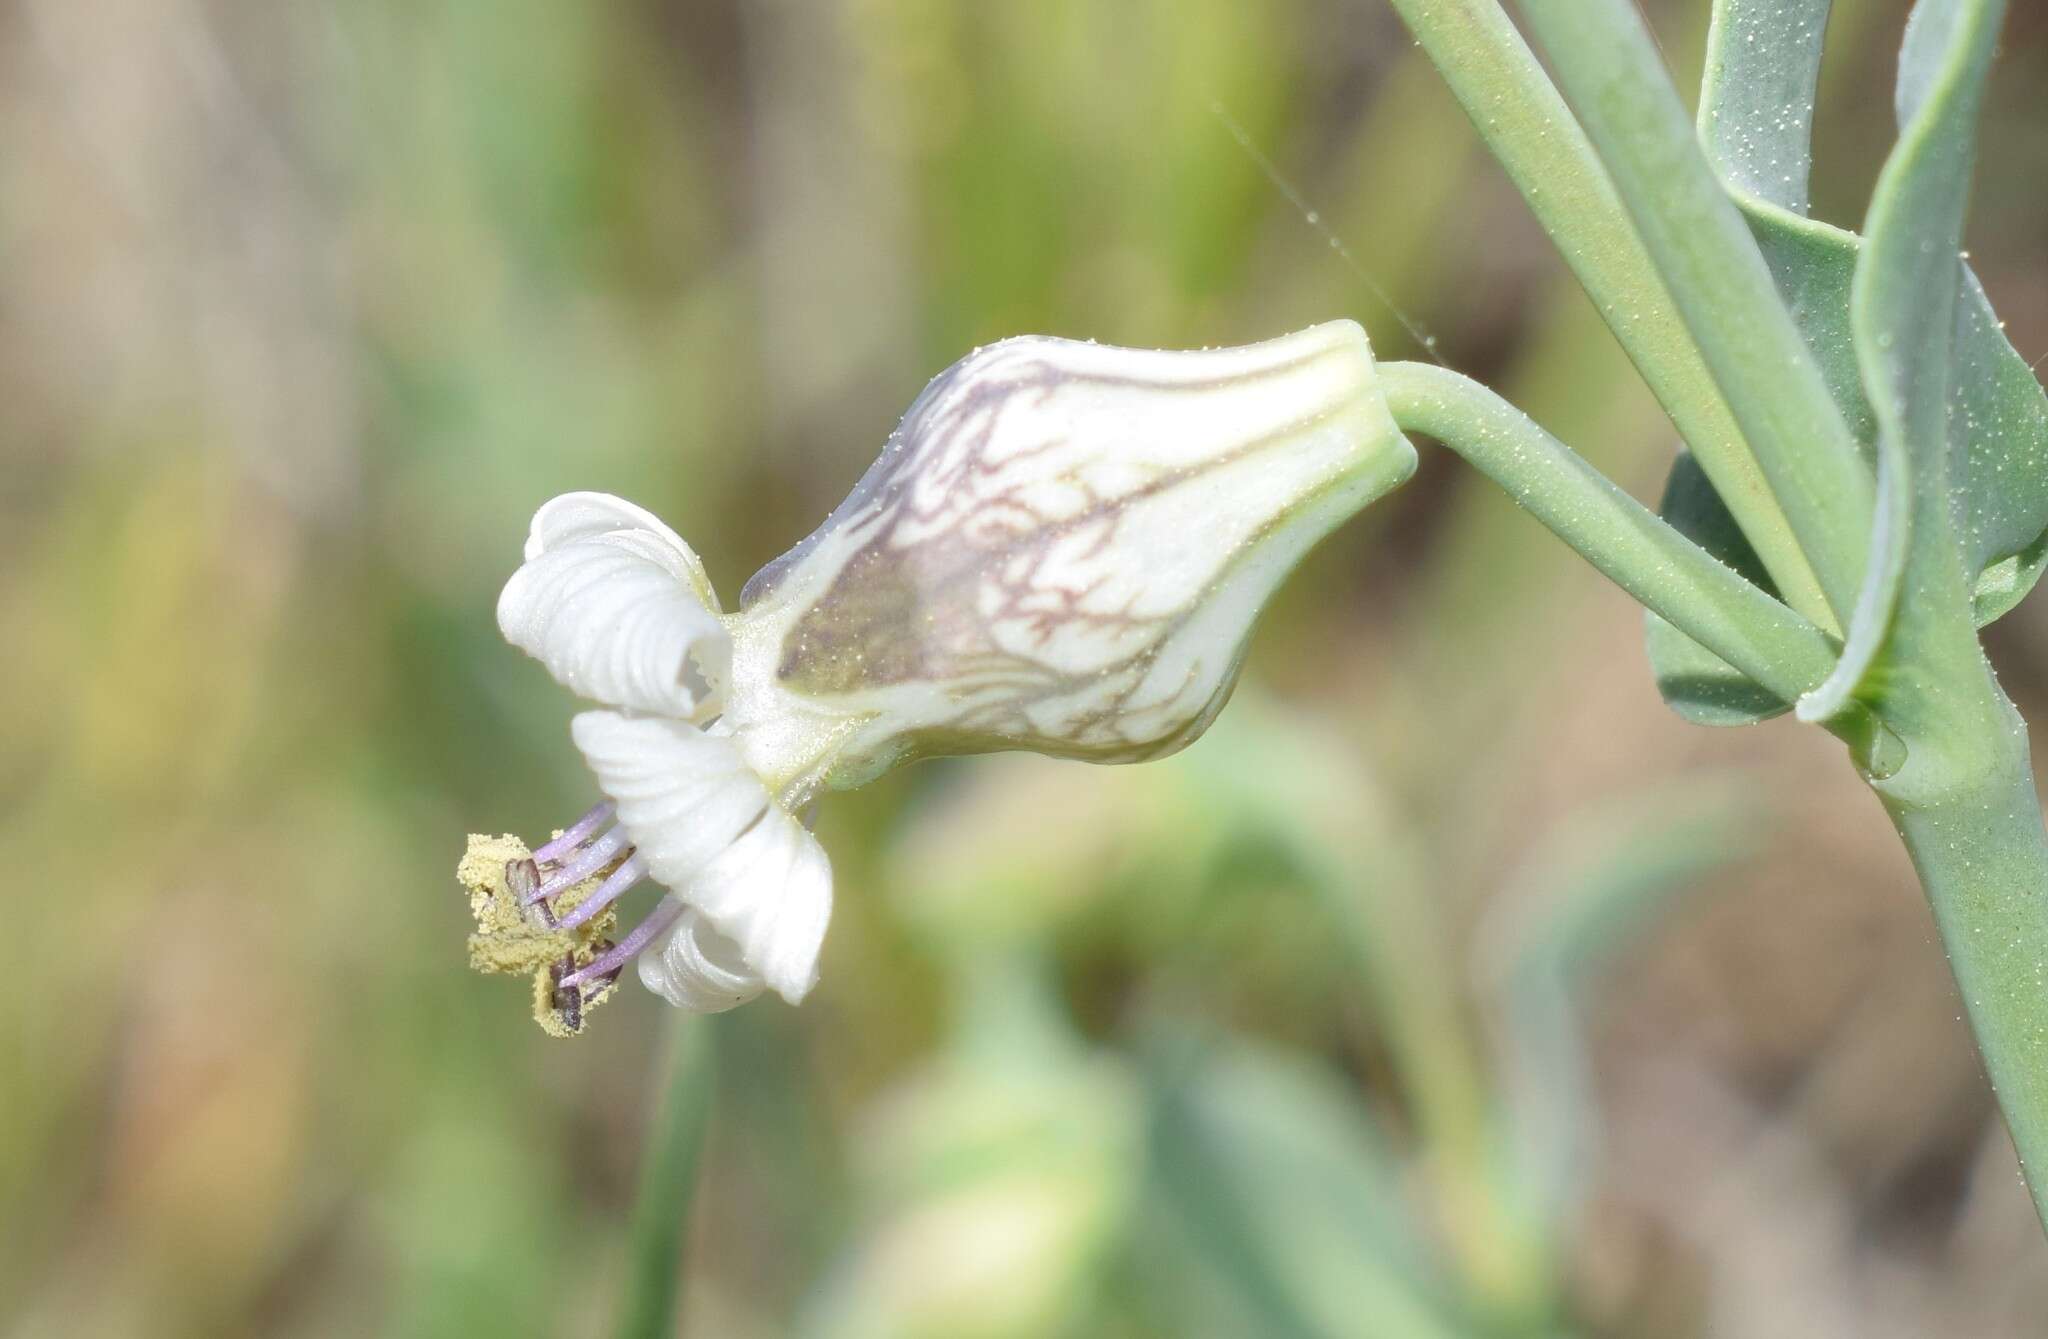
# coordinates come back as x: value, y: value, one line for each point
x: 1062, y: 549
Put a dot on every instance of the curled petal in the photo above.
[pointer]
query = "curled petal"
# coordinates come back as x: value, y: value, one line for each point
x: 579, y: 516
x: 683, y: 795
x: 771, y: 891
x: 615, y: 614
x: 699, y: 969
x: 709, y: 831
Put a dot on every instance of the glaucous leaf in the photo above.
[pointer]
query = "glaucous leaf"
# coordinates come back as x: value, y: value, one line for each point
x: 1903, y: 305
x: 1757, y: 94
x: 1755, y: 122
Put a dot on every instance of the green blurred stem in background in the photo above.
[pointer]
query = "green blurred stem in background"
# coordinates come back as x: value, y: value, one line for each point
x: 1524, y: 121
x: 668, y: 1184
x: 1663, y: 569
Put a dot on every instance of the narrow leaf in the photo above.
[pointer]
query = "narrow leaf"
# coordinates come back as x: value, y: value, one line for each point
x: 1999, y: 412
x: 1756, y: 100
x: 1902, y: 308
x: 1755, y: 122
x: 1614, y: 77
x: 1524, y: 120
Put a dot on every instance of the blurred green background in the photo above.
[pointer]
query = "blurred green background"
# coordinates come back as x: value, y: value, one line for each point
x: 1450, y: 987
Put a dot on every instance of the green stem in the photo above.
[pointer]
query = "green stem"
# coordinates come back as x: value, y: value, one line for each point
x: 1624, y: 539
x: 667, y: 1185
x: 1612, y: 75
x: 1982, y: 854
x: 1519, y: 113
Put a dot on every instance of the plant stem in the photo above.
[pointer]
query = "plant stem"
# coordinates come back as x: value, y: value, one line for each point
x: 668, y: 1183
x: 1524, y: 121
x: 1975, y: 833
x: 1612, y: 75
x: 1624, y: 539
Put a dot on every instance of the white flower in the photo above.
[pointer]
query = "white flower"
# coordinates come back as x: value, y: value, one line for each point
x: 1062, y: 549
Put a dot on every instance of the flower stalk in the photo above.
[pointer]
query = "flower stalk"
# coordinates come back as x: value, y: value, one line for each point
x: 668, y: 1184
x: 1626, y: 541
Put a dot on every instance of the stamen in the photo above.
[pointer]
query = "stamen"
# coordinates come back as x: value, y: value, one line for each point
x: 567, y: 1000
x: 608, y: 892
x: 587, y: 862
x: 622, y: 952
x: 574, y: 835
x: 522, y: 880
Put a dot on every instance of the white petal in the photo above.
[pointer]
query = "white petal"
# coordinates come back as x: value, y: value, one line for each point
x: 615, y: 614
x: 771, y: 891
x: 683, y: 795
x: 697, y: 968
x: 711, y: 834
x: 578, y: 516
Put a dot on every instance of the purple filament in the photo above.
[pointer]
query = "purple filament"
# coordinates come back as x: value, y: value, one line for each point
x: 587, y: 862
x: 608, y: 892
x: 621, y: 953
x: 575, y: 834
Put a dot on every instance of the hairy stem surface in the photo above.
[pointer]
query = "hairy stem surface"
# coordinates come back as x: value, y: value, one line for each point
x: 1978, y: 842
